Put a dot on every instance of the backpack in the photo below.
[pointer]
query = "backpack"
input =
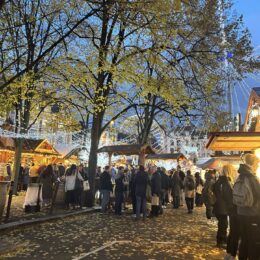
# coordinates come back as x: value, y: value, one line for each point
x: 190, y: 184
x: 242, y: 193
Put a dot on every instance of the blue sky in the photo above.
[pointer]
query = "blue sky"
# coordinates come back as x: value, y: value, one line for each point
x: 250, y: 9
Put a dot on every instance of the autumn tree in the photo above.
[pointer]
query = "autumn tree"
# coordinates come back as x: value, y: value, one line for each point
x: 33, y: 34
x: 182, y: 44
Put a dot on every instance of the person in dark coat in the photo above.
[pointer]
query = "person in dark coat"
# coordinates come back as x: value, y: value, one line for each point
x: 233, y: 236
x: 189, y: 189
x: 156, y: 191
x: 249, y: 217
x: 105, y: 188
x: 47, y: 179
x: 165, y: 187
x: 141, y: 182
x: 132, y: 190
x: 176, y: 184
x: 207, y: 192
x: 198, y: 188
x: 25, y: 180
x: 223, y: 193
x: 182, y: 177
x: 119, y: 191
x: 61, y: 169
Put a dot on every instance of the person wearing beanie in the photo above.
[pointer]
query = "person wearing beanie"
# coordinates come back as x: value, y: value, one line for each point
x: 249, y: 216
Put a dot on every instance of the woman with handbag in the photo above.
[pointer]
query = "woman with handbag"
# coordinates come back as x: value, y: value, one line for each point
x: 72, y: 185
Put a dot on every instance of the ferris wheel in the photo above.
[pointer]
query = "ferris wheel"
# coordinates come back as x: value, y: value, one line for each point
x: 129, y: 128
x: 241, y: 89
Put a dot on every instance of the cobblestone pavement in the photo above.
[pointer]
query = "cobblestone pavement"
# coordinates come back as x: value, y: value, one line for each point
x: 174, y: 235
x: 18, y: 214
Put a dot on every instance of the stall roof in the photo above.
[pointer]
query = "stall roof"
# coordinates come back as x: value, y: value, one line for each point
x: 166, y: 156
x: 75, y: 151
x: 233, y: 141
x: 130, y: 149
x: 29, y: 146
x: 212, y: 163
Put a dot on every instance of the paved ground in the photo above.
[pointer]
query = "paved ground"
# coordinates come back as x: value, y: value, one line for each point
x: 175, y: 235
x: 18, y: 214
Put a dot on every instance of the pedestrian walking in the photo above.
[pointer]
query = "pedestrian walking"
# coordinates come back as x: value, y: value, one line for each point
x: 105, y: 189
x: 141, y: 182
x: 47, y: 180
x: 132, y: 190
x: 222, y: 190
x: 156, y: 185
x: 189, y: 189
x: 227, y: 192
x: 208, y: 196
x: 119, y: 191
x: 177, y: 185
x: 182, y: 177
x: 198, y: 187
x: 25, y: 180
x: 246, y: 196
x: 165, y: 186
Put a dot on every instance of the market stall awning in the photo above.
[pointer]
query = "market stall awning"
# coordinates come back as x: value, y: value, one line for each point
x: 131, y: 149
x: 212, y: 163
x: 233, y: 141
x: 166, y: 156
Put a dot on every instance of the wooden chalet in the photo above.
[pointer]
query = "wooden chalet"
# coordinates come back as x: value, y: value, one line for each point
x: 130, y: 149
x: 40, y: 151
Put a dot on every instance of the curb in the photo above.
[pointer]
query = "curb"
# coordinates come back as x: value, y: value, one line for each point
x: 17, y: 224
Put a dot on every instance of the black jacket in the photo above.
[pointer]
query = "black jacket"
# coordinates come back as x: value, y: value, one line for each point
x: 105, y: 181
x: 165, y: 181
x: 223, y: 192
x: 176, y: 184
x: 140, y: 183
x: 120, y: 187
x: 156, y: 183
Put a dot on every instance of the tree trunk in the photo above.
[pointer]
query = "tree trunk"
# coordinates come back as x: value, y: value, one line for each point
x: 17, y: 162
x: 92, y: 166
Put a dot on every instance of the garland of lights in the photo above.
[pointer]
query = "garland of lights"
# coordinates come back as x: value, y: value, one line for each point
x: 34, y: 135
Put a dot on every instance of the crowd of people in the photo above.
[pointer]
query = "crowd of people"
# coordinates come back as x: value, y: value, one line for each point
x: 232, y: 197
x: 153, y: 187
